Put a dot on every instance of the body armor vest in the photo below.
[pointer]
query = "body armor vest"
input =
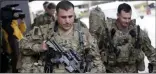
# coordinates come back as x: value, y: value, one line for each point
x: 124, y: 42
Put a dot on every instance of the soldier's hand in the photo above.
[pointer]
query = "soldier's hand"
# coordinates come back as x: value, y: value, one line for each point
x: 44, y: 45
x: 132, y: 33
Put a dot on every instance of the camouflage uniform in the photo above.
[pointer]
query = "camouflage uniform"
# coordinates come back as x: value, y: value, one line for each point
x: 96, y: 19
x: 129, y: 59
x: 31, y: 46
x: 43, y: 19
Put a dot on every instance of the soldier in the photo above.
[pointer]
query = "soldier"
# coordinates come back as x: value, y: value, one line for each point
x: 124, y: 44
x: 34, y: 36
x: 45, y: 5
x: 67, y: 34
x: 47, y: 17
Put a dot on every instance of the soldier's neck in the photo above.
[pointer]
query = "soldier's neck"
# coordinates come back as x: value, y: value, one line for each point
x: 65, y: 33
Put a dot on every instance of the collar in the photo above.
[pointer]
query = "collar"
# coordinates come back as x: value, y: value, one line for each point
x: 75, y: 26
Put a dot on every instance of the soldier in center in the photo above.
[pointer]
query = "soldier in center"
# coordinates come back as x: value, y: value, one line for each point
x: 69, y: 47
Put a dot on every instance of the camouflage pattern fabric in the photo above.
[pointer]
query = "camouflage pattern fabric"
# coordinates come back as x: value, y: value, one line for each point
x: 31, y: 46
x: 72, y: 41
x: 130, y: 59
x: 96, y: 24
x: 31, y: 52
x: 96, y: 19
x: 43, y: 19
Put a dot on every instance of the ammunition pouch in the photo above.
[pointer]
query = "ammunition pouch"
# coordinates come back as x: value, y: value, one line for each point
x: 111, y: 59
x: 124, y: 54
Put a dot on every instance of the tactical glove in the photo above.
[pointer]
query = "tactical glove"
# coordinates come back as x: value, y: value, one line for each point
x: 132, y: 33
x: 151, y: 68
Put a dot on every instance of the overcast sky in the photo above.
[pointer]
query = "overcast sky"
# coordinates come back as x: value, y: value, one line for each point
x: 38, y: 5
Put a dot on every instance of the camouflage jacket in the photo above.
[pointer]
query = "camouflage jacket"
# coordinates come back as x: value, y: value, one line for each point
x: 31, y: 45
x: 30, y: 48
x: 43, y: 19
x: 129, y: 59
x: 96, y: 20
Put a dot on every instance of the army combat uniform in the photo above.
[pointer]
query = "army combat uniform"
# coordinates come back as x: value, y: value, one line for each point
x: 43, y: 19
x: 33, y: 39
x: 123, y: 56
x: 32, y: 46
x: 96, y: 19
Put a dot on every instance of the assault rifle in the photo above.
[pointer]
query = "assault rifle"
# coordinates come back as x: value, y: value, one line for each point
x: 57, y: 55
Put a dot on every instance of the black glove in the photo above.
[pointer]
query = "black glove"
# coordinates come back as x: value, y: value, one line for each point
x: 150, y: 67
x: 132, y: 33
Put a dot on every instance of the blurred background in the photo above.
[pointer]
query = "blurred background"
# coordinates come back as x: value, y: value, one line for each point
x: 142, y: 11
